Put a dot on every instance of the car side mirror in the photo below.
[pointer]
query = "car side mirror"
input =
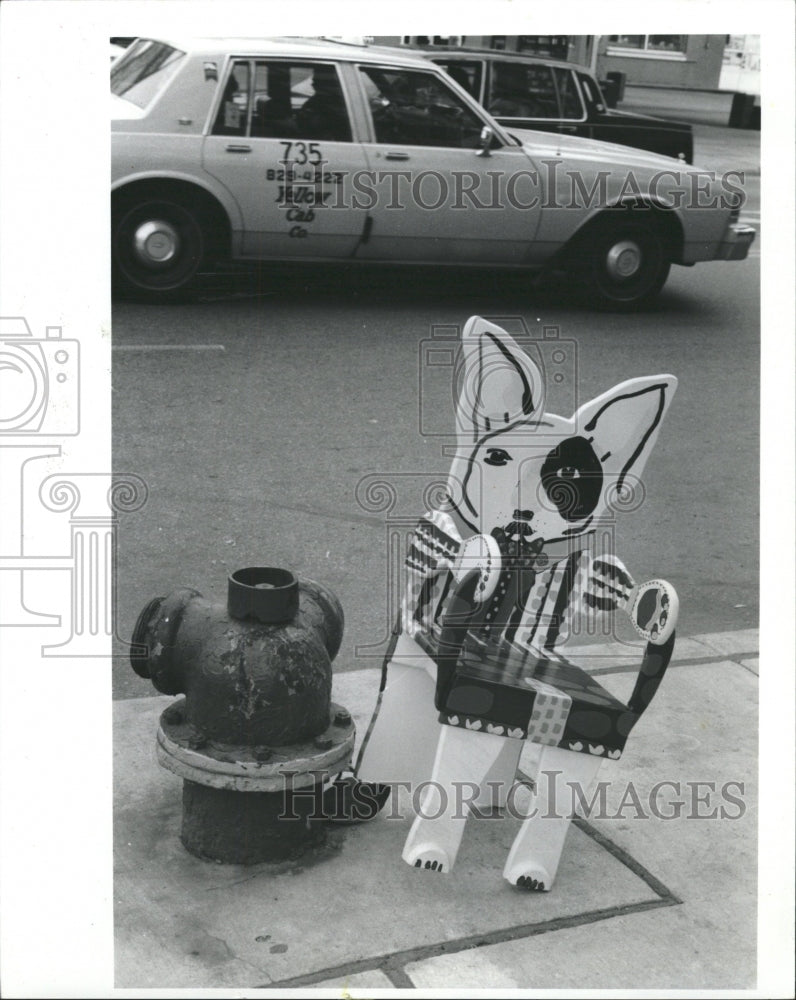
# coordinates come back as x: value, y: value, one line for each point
x: 485, y: 142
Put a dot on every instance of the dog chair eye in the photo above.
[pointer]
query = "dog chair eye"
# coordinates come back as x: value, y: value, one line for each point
x: 497, y: 456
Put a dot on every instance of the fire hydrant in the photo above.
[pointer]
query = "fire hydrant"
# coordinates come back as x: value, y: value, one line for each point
x: 256, y: 735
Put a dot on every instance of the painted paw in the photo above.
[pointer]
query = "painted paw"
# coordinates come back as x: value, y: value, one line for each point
x: 533, y: 880
x: 530, y: 883
x: 431, y: 859
x: 655, y: 610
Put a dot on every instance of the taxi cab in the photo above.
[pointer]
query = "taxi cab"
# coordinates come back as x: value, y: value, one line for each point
x: 301, y: 150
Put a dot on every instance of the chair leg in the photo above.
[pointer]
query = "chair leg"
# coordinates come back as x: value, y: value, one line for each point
x: 463, y: 760
x: 533, y: 859
x: 403, y: 742
x: 500, y: 778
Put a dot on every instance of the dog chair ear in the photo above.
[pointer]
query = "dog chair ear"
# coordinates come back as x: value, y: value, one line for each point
x: 623, y: 424
x: 498, y: 384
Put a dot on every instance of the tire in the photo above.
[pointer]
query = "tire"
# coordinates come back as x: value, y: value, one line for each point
x: 623, y: 263
x: 158, y: 248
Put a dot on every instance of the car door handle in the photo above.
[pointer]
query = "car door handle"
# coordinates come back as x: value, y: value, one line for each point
x: 392, y: 155
x: 568, y: 128
x: 238, y: 148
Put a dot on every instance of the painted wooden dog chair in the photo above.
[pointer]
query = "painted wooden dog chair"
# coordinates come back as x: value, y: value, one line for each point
x: 495, y: 583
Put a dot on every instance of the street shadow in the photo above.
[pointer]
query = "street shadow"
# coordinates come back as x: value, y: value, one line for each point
x: 405, y: 286
x: 367, y: 284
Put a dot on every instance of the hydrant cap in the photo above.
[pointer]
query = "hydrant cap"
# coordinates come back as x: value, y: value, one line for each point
x: 266, y: 593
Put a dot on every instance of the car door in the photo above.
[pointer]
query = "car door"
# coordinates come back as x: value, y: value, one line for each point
x: 433, y: 195
x: 282, y: 141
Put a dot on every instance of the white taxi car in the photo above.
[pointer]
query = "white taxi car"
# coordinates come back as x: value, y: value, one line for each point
x: 294, y: 149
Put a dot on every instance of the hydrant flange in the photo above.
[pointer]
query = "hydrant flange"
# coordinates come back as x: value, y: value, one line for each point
x: 182, y: 750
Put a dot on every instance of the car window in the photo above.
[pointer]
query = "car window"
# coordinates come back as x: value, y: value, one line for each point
x: 413, y: 108
x: 145, y: 70
x: 233, y: 114
x: 571, y: 105
x: 285, y: 100
x: 523, y: 91
x: 591, y: 89
x: 466, y: 74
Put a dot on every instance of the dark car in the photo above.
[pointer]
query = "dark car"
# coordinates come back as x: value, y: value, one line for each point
x: 537, y: 93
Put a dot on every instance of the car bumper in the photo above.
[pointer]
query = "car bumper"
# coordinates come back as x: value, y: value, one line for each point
x: 736, y: 242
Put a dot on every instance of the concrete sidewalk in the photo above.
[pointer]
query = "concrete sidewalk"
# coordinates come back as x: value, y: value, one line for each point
x: 640, y: 901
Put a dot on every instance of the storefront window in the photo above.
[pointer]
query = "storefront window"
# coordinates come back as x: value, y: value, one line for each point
x: 666, y: 43
x: 628, y: 41
x: 554, y: 46
x: 649, y: 43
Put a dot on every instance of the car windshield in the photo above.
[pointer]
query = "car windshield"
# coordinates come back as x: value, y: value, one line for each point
x: 144, y: 70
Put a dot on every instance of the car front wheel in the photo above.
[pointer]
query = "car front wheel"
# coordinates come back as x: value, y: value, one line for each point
x: 158, y: 248
x: 622, y: 264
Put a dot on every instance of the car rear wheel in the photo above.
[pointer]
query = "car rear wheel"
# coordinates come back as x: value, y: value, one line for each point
x: 622, y: 263
x: 158, y: 248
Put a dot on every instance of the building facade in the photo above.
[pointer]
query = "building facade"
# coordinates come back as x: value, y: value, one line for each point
x: 687, y: 62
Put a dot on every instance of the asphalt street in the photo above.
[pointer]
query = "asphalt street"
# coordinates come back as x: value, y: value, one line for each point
x: 259, y: 415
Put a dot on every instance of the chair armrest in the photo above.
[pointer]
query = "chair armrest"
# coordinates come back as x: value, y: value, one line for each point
x: 653, y: 667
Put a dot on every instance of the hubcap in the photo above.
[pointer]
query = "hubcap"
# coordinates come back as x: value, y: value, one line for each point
x: 624, y: 259
x: 156, y: 242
